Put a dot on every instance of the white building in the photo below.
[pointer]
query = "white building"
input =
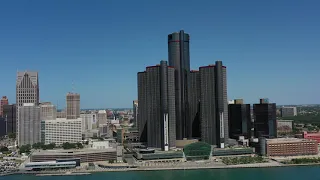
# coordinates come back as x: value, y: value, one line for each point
x: 100, y: 145
x: 29, y: 124
x: 87, y: 121
x: 102, y: 117
x: 61, y: 130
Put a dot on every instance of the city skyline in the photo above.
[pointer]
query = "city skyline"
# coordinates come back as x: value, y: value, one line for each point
x: 262, y: 50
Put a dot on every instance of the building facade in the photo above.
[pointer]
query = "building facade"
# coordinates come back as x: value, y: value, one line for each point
x: 284, y: 126
x: 239, y: 120
x: 288, y: 111
x: 48, y: 111
x: 265, y: 123
x: 193, y: 127
x: 179, y: 59
x: 142, y: 110
x: 27, y: 91
x: 10, y: 113
x: 102, y: 117
x: 73, y: 106
x: 135, y: 112
x: 61, y: 130
x: 291, y: 147
x: 29, y: 124
x: 87, y: 121
x: 4, y: 101
x: 214, y: 105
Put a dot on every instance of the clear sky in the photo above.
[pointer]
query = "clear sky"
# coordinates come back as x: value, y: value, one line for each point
x: 271, y: 48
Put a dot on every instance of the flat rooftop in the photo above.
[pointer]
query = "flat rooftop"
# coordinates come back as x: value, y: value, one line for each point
x: 287, y: 140
x: 72, y: 151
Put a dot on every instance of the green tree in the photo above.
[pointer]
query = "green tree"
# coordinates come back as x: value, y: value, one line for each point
x: 25, y: 149
x: 12, y: 135
x: 111, y: 161
x: 68, y: 145
x: 79, y: 145
x: 4, y: 149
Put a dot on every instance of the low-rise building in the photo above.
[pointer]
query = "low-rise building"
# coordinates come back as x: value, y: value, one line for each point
x: 313, y: 136
x: 288, y: 147
x: 284, y: 126
x: 61, y: 130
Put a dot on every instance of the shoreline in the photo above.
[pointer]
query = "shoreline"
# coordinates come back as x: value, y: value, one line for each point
x: 260, y: 165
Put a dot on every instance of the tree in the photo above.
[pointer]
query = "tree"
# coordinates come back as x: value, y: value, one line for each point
x: 12, y: 135
x: 68, y: 145
x: 79, y: 145
x: 4, y: 149
x: 51, y: 146
x: 25, y: 149
x: 111, y: 161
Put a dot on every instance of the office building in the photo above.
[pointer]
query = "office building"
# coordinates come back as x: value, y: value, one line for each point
x: 142, y: 110
x: 160, y: 105
x: 102, y: 117
x: 10, y: 113
x: 214, y: 104
x: 265, y: 124
x: 4, y: 101
x: 87, y: 121
x: 29, y: 124
x: 48, y: 111
x: 284, y: 126
x: 239, y: 120
x: 179, y: 59
x: 27, y: 91
x: 135, y: 112
x: 73, y: 106
x: 3, y: 126
x: 61, y: 114
x: 288, y: 111
x: 290, y: 147
x: 61, y: 130
x: 193, y: 130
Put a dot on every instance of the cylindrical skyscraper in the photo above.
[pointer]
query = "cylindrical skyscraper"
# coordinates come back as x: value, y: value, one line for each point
x: 179, y: 58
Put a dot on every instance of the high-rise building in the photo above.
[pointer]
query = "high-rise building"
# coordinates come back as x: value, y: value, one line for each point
x: 48, y: 111
x: 135, y: 112
x: 61, y: 130
x: 3, y: 126
x: 214, y: 104
x: 29, y: 124
x: 239, y: 120
x: 179, y: 59
x: 27, y: 91
x: 288, y: 111
x: 102, y: 117
x: 193, y: 130
x: 265, y: 122
x: 87, y: 121
x: 4, y: 101
x: 160, y: 105
x: 73, y: 106
x: 142, y: 110
x: 10, y: 113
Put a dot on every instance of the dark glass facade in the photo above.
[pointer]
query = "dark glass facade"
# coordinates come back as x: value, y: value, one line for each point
x: 194, y: 105
x: 214, y: 105
x: 179, y: 59
x: 9, y: 112
x: 239, y: 120
x: 265, y: 123
x: 156, y: 90
x: 142, y: 110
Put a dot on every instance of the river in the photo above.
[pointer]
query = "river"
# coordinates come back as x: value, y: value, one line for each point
x: 276, y: 173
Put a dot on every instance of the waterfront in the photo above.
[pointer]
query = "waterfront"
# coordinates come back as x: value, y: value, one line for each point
x: 276, y: 173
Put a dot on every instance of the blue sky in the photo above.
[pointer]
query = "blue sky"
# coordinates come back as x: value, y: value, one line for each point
x: 270, y: 48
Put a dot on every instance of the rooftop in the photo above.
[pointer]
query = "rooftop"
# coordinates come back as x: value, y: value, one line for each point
x: 72, y: 151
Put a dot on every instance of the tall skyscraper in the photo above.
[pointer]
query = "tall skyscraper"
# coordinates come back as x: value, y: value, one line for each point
x: 142, y: 110
x: 73, y: 106
x: 214, y: 104
x: 48, y: 111
x: 10, y: 113
x: 265, y: 120
x: 29, y: 124
x: 4, y: 101
x: 27, y: 91
x: 239, y: 120
x: 160, y: 105
x: 179, y: 59
x: 193, y: 130
x: 135, y: 112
